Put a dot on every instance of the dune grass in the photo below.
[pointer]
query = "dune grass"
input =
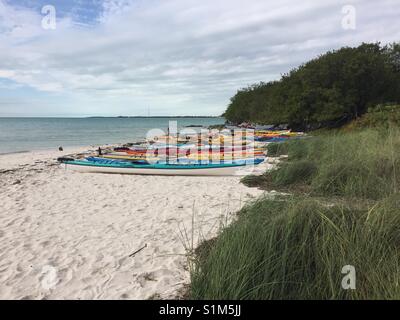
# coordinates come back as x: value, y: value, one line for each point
x: 361, y: 164
x: 295, y: 247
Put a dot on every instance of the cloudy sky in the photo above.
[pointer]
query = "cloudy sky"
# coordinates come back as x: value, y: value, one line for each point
x: 167, y: 57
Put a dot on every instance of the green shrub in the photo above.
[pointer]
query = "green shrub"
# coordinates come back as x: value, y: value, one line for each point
x: 276, y: 149
x: 380, y: 116
x: 253, y: 181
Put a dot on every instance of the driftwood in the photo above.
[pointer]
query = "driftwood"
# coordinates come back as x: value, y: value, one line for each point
x: 137, y: 251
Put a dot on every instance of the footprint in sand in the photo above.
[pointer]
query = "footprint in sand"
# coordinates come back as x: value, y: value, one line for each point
x: 44, y: 244
x: 143, y: 278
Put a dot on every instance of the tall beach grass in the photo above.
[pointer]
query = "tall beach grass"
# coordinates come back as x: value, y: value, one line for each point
x: 296, y: 248
x: 363, y: 164
x: 344, y: 210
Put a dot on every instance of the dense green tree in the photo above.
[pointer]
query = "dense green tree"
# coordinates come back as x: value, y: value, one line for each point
x: 333, y: 88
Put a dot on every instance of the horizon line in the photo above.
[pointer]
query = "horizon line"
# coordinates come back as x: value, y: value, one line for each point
x: 120, y: 117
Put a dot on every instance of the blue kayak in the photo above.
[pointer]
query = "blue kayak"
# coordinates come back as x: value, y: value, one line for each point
x: 101, y: 165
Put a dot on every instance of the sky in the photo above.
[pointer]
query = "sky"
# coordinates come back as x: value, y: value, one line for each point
x: 167, y: 57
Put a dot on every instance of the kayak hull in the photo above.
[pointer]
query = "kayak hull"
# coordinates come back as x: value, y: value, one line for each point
x: 226, y: 170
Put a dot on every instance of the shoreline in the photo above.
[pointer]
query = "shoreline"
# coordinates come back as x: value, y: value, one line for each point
x: 80, y: 132
x: 68, y: 235
x: 14, y: 152
x: 12, y: 159
x: 71, y: 148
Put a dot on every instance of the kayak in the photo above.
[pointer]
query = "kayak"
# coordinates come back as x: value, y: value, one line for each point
x: 189, y: 148
x: 273, y: 139
x: 129, y: 157
x: 123, y: 167
x: 186, y: 161
x: 203, y: 157
x: 222, y: 156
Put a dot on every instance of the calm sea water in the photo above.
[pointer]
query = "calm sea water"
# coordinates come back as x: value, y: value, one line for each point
x: 25, y: 134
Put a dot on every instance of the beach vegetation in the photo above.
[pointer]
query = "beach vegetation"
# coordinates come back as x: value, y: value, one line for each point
x: 297, y: 247
x: 342, y: 213
x: 330, y: 90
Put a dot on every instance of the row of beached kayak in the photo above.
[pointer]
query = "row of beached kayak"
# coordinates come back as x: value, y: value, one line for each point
x: 196, y: 155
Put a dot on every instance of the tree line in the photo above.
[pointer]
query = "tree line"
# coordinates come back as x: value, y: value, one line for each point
x: 330, y: 90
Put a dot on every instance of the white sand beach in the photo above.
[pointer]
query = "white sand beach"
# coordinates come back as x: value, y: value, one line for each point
x: 69, y: 235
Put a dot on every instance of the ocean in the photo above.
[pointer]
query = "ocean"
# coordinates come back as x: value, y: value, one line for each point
x: 27, y: 134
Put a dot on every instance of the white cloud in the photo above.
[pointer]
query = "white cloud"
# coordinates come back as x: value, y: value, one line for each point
x: 188, y: 56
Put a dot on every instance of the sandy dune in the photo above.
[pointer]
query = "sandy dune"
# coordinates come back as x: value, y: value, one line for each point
x: 67, y: 235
